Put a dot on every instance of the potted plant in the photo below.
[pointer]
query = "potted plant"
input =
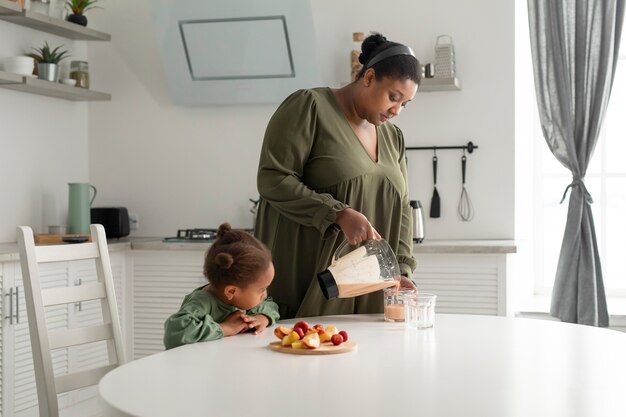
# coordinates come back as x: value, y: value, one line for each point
x: 47, y: 60
x: 78, y: 8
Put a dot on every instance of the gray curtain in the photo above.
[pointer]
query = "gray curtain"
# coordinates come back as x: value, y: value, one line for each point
x: 575, y: 45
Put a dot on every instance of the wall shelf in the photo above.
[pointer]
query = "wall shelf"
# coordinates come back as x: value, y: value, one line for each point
x: 47, y: 88
x: 12, y: 12
x: 440, y: 84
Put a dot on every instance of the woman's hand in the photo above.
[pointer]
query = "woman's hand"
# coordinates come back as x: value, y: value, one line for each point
x: 355, y: 226
x: 236, y: 322
x: 407, y: 283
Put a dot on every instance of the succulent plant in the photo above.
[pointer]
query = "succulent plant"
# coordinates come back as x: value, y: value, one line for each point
x: 81, y: 6
x: 46, y: 55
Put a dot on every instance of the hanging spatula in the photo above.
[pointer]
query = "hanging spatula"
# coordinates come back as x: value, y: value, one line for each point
x: 435, y: 203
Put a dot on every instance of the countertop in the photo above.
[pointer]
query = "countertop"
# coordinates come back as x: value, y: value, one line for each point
x: 9, y: 251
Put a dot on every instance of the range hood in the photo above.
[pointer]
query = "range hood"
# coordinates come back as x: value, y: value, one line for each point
x: 237, y: 51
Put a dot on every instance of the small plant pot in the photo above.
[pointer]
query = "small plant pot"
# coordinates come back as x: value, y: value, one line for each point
x: 48, y: 72
x: 79, y: 19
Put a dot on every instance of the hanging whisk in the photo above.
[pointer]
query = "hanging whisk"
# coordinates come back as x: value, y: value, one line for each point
x: 465, y: 210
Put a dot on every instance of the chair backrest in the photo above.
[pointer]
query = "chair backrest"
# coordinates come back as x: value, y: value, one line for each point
x: 44, y: 340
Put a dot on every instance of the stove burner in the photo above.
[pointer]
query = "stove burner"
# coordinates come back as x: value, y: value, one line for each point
x: 198, y: 235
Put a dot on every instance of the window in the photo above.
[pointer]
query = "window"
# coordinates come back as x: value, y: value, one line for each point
x: 541, y: 181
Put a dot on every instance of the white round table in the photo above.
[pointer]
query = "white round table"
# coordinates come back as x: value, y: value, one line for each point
x: 465, y: 366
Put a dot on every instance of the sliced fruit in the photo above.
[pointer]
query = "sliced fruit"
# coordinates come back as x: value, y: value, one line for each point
x: 318, y: 326
x: 298, y: 345
x: 281, y: 331
x: 337, y: 339
x: 331, y: 330
x: 302, y: 325
x: 311, y: 341
x: 290, y: 338
x: 324, y: 337
x: 344, y: 334
x: 299, y: 331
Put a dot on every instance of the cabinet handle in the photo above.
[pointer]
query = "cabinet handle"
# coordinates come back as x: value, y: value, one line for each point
x: 17, y: 305
x: 78, y: 305
x: 12, y: 315
x: 10, y: 295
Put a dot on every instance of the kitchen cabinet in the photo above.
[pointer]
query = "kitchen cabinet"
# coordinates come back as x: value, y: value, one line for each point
x: 161, y: 279
x: 12, y: 12
x: 19, y: 395
x: 469, y: 277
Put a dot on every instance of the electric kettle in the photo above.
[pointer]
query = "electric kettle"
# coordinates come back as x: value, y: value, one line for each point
x: 360, y: 269
x: 418, y: 221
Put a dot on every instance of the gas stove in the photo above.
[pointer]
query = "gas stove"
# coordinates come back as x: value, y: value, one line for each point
x: 197, y: 235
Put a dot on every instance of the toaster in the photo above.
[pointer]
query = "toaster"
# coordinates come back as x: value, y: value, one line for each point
x: 114, y: 220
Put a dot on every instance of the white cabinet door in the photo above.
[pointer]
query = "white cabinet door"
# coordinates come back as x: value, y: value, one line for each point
x: 161, y: 279
x: 464, y: 283
x: 20, y: 397
x: 19, y: 393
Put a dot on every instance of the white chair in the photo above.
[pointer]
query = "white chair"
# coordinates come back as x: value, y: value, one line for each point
x: 44, y: 340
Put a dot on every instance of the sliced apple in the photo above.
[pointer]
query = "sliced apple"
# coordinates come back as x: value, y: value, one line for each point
x: 290, y: 338
x: 299, y: 331
x: 331, y: 330
x: 324, y: 337
x: 281, y: 331
x: 311, y: 341
x: 298, y: 345
x: 303, y: 325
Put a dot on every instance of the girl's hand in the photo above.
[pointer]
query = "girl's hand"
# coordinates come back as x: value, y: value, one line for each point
x: 355, y: 226
x: 258, y: 322
x: 235, y: 323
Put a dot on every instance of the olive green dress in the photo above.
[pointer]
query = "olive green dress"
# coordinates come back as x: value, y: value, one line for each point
x: 313, y: 165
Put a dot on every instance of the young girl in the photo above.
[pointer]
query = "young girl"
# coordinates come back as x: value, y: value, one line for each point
x: 239, y: 269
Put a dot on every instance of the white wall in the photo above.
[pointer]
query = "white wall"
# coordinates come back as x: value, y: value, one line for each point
x: 181, y: 167
x: 43, y: 143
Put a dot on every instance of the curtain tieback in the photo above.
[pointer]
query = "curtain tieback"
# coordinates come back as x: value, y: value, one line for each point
x: 578, y: 182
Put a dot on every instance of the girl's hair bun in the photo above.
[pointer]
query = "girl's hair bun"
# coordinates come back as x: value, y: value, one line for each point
x: 223, y: 229
x: 224, y: 260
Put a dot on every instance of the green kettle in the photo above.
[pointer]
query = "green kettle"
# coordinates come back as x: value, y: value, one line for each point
x: 79, y: 210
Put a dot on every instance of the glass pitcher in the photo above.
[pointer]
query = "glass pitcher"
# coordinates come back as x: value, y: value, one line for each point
x: 360, y: 269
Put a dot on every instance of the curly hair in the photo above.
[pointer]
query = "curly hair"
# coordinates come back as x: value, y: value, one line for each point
x: 399, y: 67
x: 236, y: 258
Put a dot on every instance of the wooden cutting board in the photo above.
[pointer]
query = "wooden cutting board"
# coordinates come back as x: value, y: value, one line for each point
x: 47, y: 239
x: 326, y: 348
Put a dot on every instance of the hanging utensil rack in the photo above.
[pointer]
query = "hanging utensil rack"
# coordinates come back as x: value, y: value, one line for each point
x: 469, y: 147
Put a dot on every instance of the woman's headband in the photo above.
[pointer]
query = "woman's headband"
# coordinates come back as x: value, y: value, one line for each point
x: 389, y: 52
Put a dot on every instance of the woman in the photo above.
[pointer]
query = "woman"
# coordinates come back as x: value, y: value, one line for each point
x: 333, y: 167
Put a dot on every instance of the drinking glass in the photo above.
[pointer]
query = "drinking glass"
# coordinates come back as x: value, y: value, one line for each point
x: 419, y: 310
x: 393, y: 302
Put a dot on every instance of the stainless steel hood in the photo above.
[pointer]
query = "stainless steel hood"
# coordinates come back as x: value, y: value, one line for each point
x: 237, y: 51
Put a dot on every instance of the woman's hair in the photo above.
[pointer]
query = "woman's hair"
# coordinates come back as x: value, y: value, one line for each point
x: 236, y: 258
x: 398, y: 67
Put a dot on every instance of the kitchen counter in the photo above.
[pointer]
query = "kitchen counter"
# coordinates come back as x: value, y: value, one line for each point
x: 9, y: 251
x: 428, y: 246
